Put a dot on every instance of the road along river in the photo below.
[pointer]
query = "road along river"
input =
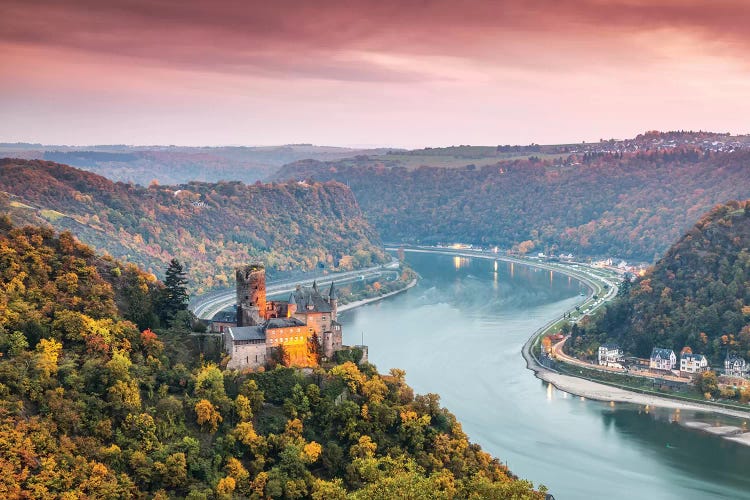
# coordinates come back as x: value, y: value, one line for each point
x: 459, y: 333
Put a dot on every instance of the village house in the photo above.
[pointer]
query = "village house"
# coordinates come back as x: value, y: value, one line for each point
x: 690, y: 364
x: 610, y: 355
x: 735, y: 366
x: 662, y: 359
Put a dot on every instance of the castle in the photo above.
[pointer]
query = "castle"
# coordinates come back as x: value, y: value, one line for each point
x: 263, y: 325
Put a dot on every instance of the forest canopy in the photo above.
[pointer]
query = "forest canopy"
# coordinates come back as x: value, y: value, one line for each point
x: 210, y: 227
x: 93, y: 406
x: 697, y: 295
x: 627, y: 205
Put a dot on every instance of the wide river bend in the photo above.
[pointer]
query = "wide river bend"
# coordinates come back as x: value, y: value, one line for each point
x: 459, y: 333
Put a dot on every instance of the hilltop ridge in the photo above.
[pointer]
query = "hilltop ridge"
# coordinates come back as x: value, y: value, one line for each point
x: 697, y: 295
x: 208, y: 226
x: 630, y: 205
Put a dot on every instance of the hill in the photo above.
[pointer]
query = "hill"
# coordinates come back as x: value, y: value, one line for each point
x: 209, y: 227
x: 177, y: 164
x: 92, y: 407
x: 631, y: 205
x: 697, y: 295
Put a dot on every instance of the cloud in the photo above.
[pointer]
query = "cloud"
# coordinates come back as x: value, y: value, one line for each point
x: 349, y: 40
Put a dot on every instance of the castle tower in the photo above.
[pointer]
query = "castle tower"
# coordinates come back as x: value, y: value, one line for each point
x: 291, y: 306
x: 251, y: 294
x: 327, y: 344
x: 333, y: 301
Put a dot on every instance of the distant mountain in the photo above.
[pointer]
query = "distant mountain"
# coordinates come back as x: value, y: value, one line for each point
x: 697, y: 295
x: 177, y: 164
x: 209, y: 227
x: 631, y: 205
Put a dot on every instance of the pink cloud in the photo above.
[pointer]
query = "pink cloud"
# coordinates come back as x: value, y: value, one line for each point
x: 400, y: 72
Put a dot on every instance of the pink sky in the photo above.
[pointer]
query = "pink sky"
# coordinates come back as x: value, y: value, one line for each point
x: 389, y: 72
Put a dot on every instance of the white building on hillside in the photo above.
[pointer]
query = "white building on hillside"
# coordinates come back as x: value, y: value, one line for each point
x: 610, y: 355
x: 693, y: 363
x: 735, y: 366
x: 662, y: 359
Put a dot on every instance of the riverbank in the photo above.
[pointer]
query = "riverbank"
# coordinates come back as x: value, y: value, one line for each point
x: 601, y: 392
x: 369, y: 300
x: 582, y: 387
x: 597, y: 391
x: 578, y: 386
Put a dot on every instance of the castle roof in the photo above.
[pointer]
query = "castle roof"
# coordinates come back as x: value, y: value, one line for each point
x: 256, y: 332
x: 310, y: 300
x: 225, y: 317
x: 282, y: 323
x: 291, y: 299
x: 332, y: 293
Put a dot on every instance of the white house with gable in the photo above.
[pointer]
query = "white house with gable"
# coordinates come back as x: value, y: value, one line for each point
x: 691, y: 364
x: 735, y: 366
x: 662, y: 359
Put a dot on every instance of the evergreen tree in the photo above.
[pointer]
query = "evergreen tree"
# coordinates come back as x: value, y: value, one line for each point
x: 625, y: 286
x: 175, y: 296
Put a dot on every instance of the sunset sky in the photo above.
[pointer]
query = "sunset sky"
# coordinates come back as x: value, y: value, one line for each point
x: 387, y: 72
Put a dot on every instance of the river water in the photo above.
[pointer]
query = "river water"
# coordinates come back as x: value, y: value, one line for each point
x: 459, y: 334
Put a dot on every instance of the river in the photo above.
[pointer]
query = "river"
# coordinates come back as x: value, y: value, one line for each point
x: 459, y: 333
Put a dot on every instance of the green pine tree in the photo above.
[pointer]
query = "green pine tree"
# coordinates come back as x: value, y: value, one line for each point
x: 175, y: 296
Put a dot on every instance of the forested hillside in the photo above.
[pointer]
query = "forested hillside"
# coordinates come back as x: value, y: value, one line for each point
x: 631, y: 205
x: 93, y: 407
x: 210, y: 227
x: 697, y: 295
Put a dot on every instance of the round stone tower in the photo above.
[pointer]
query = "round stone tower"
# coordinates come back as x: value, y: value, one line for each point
x: 251, y: 294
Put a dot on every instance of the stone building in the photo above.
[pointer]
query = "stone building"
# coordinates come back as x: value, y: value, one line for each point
x: 262, y: 325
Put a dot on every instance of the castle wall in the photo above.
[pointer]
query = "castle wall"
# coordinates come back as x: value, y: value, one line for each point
x: 337, y: 338
x: 295, y: 341
x: 319, y: 322
x: 326, y: 341
x: 247, y: 356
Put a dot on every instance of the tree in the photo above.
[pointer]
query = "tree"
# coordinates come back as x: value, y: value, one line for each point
x: 207, y: 415
x: 707, y: 383
x: 626, y: 285
x: 175, y: 296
